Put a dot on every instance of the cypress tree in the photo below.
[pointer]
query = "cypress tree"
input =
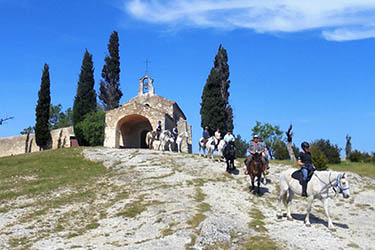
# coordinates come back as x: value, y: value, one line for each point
x: 110, y: 92
x: 85, y: 99
x: 42, y: 133
x: 215, y: 109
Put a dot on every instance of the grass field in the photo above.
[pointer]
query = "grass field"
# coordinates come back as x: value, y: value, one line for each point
x: 364, y: 169
x: 37, y: 173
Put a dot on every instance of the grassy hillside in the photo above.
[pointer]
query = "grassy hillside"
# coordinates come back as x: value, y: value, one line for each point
x: 39, y: 173
x: 364, y: 169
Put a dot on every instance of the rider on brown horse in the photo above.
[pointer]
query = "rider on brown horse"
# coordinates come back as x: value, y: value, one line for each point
x: 256, y: 147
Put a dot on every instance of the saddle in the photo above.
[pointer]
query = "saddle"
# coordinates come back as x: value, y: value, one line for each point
x: 299, y: 177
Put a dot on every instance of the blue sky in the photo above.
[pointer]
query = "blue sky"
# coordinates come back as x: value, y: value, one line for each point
x: 306, y: 63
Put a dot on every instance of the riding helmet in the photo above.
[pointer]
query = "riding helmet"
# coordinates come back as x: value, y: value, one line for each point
x: 305, y: 145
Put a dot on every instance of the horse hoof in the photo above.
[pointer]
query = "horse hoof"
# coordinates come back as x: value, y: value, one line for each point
x: 308, y: 225
x: 289, y: 218
x: 332, y: 229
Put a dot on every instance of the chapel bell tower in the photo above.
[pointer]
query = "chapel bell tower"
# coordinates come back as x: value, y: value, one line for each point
x: 146, y: 86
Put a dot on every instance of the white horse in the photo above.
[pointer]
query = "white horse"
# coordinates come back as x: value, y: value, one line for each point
x: 166, y: 139
x: 179, y: 140
x: 202, y: 146
x: 210, y: 145
x: 318, y: 188
x: 150, y: 138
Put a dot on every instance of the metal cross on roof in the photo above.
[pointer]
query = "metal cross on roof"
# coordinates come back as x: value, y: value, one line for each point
x: 147, y: 62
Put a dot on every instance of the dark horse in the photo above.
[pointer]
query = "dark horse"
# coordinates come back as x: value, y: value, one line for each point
x: 229, y: 154
x: 255, y: 169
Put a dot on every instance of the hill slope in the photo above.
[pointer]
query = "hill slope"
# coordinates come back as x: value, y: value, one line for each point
x: 151, y: 200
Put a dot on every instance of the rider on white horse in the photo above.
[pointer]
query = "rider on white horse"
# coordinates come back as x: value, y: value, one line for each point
x: 205, y: 134
x: 217, y: 138
x: 158, y: 130
x: 304, y: 160
x: 175, y: 133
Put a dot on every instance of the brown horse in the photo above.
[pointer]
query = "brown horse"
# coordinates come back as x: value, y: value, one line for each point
x: 255, y: 169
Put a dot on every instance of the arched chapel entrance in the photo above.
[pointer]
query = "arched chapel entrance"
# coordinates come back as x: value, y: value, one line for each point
x: 132, y: 130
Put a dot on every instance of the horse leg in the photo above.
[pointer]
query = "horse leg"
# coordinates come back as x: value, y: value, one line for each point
x: 282, y: 196
x: 288, y: 205
x: 326, y: 209
x: 252, y: 177
x: 309, y: 205
x: 258, y: 179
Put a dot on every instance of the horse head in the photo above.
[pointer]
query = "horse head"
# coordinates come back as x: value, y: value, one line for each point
x: 342, y: 184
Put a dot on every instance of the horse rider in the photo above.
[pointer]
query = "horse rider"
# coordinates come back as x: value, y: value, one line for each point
x: 228, y: 138
x: 205, y: 135
x: 217, y: 138
x: 304, y: 160
x: 256, y: 147
x: 158, y: 130
x: 265, y: 153
x: 175, y: 133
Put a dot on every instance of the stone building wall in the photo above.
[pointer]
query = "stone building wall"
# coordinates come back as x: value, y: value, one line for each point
x: 126, y: 125
x: 26, y: 143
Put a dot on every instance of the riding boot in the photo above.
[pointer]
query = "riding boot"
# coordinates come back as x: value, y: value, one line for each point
x: 304, y: 187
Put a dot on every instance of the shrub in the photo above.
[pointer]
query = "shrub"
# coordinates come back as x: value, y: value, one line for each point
x: 318, y: 158
x: 280, y: 151
x: 241, y: 147
x: 331, y: 152
x: 92, y: 128
x: 355, y: 156
x: 366, y: 157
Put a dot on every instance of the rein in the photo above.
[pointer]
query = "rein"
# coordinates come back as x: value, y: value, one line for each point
x: 335, y: 186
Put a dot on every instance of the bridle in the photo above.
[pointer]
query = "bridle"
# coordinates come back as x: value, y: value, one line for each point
x: 337, y: 188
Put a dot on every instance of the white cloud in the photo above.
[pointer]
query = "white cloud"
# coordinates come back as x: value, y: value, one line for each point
x: 339, y: 20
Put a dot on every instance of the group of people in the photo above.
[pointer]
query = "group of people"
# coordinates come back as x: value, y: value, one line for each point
x: 257, y: 146
x: 159, y: 130
x: 217, y: 136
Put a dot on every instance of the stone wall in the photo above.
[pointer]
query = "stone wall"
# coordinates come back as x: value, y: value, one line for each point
x: 151, y: 108
x: 26, y: 143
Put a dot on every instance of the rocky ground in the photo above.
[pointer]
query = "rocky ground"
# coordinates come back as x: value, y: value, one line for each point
x: 153, y: 200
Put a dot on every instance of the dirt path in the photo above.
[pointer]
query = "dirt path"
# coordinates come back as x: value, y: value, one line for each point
x: 153, y: 200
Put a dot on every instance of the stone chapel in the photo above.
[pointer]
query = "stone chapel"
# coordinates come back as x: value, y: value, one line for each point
x: 127, y: 125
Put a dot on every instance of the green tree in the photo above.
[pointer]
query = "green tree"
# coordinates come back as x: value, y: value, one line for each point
x: 215, y: 109
x: 85, y: 99
x: 332, y: 152
x: 59, y: 119
x: 241, y: 147
x: 280, y: 150
x: 318, y: 158
x: 42, y: 134
x: 28, y: 130
x: 270, y: 134
x: 65, y: 119
x: 92, y: 128
x: 110, y: 93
